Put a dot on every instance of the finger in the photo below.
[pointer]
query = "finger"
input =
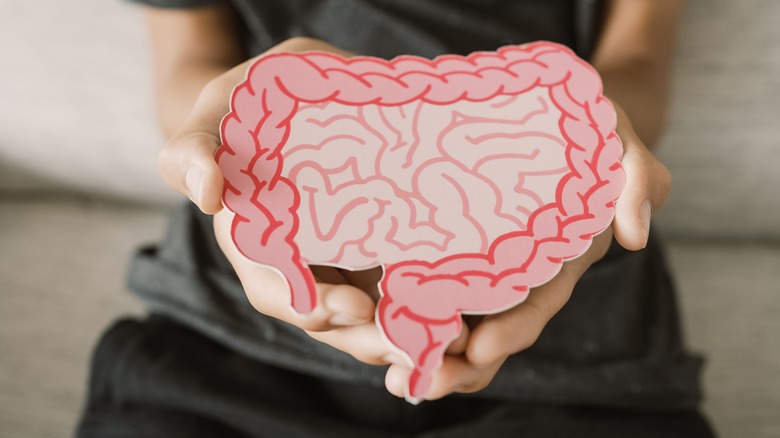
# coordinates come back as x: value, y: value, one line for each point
x: 458, y: 346
x: 186, y: 163
x: 455, y: 375
x: 516, y: 329
x: 647, y: 187
x: 458, y: 375
x: 364, y: 342
x: 338, y: 305
x: 396, y: 379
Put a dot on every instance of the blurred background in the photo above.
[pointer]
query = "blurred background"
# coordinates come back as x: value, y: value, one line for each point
x: 79, y: 190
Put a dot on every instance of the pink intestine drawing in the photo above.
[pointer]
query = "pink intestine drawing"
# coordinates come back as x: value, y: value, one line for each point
x: 433, y: 180
x: 469, y: 179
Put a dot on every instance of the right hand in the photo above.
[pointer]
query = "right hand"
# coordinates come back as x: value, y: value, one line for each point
x: 344, y: 316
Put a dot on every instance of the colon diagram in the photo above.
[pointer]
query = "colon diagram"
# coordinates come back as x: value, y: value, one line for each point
x: 469, y: 180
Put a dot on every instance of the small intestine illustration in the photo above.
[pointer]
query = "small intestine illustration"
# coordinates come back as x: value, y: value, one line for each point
x: 469, y: 179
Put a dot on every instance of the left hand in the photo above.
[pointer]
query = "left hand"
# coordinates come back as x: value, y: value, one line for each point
x: 495, y: 337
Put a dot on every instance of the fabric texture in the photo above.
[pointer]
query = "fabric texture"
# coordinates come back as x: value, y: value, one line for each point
x: 388, y: 28
x: 157, y: 378
x: 615, y: 345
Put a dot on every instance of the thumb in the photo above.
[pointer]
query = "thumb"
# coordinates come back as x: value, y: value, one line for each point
x: 186, y: 161
x: 187, y: 164
x: 648, y: 183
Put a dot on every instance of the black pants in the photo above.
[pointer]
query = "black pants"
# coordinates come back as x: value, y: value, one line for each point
x: 156, y: 378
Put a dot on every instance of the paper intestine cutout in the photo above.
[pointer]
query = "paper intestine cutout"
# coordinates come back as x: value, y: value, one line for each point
x: 468, y: 179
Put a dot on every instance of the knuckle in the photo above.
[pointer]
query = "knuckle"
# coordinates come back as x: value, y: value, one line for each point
x: 640, y: 175
x: 489, y: 357
x: 662, y: 185
x: 540, y: 313
x: 532, y: 331
x: 665, y: 176
x: 526, y: 342
x: 477, y: 385
x: 531, y: 338
x: 214, y: 89
x: 166, y: 156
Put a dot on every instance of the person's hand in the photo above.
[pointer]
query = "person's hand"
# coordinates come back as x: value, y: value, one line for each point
x: 492, y: 339
x: 344, y: 316
x: 186, y: 161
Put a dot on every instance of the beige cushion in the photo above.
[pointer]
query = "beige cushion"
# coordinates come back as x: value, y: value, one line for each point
x: 723, y: 141
x: 76, y: 108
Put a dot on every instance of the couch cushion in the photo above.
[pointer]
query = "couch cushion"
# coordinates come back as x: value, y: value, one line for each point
x: 723, y: 138
x: 76, y: 108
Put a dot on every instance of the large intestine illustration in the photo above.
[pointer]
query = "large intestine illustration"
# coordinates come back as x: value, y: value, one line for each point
x: 469, y: 179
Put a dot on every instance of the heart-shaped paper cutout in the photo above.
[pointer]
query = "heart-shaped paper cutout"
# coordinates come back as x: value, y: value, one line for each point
x: 469, y: 179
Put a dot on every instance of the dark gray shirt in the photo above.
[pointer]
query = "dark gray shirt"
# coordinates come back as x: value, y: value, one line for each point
x: 616, y: 343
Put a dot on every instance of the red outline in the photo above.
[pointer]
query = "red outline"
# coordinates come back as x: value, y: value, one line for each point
x: 593, y: 180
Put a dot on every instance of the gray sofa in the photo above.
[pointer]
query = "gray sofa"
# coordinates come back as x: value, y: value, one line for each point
x: 79, y: 190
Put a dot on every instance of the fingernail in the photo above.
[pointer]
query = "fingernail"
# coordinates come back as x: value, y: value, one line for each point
x: 645, y: 213
x: 194, y: 181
